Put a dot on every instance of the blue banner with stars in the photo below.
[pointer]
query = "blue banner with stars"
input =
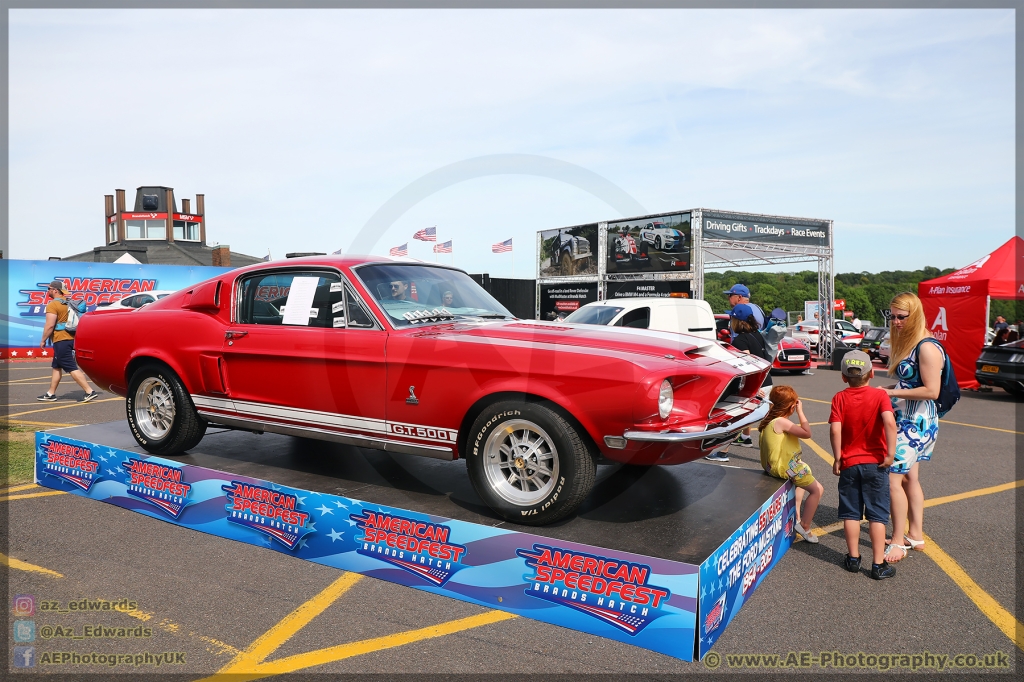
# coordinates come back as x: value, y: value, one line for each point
x: 729, y: 576
x: 645, y: 601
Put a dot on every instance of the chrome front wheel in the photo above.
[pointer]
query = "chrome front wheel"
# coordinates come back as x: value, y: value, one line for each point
x: 521, y: 462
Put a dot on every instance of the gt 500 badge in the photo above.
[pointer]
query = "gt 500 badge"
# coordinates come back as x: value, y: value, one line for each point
x: 423, y: 432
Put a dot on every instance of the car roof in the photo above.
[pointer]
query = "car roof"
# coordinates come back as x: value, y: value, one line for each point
x: 344, y: 261
x: 640, y: 302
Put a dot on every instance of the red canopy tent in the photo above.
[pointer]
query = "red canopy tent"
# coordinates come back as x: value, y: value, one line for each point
x: 956, y: 305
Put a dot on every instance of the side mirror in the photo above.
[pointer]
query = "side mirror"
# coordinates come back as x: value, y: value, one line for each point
x: 204, y: 298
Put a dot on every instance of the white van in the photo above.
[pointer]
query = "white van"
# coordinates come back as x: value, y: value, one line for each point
x: 685, y: 315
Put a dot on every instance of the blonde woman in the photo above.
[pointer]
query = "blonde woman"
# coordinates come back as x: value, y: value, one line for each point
x: 916, y: 361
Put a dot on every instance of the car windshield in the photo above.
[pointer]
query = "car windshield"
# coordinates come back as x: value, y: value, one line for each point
x: 874, y: 334
x: 423, y: 294
x: 594, y: 314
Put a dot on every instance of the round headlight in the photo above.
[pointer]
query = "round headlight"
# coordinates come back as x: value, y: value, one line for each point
x: 665, y: 399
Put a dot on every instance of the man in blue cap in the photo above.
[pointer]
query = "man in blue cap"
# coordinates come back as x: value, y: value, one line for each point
x: 738, y: 294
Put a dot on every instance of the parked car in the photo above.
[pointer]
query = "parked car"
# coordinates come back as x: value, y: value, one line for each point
x: 663, y: 238
x: 680, y: 315
x: 571, y: 253
x: 136, y: 300
x: 794, y: 356
x: 1002, y: 366
x: 808, y: 331
x: 883, y: 349
x: 627, y: 252
x: 361, y: 351
x: 872, y: 338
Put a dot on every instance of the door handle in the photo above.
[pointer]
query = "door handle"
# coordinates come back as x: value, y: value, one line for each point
x: 234, y: 335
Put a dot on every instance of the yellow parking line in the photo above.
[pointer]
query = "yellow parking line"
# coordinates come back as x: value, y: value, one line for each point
x: 973, y: 493
x: 819, y: 450
x: 25, y: 566
x: 22, y: 422
x: 64, y: 407
x: 814, y: 400
x: 14, y: 489
x: 25, y: 497
x: 832, y: 528
x: 251, y: 664
x: 26, y: 379
x: 273, y: 638
x: 999, y: 616
x: 343, y: 651
x: 977, y: 426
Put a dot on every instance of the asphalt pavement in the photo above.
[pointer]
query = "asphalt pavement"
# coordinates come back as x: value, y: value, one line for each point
x: 217, y: 605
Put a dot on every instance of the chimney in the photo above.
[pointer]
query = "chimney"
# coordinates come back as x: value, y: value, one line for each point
x: 120, y: 215
x: 201, y: 212
x: 186, y: 206
x: 222, y: 256
x: 169, y: 195
x: 108, y: 210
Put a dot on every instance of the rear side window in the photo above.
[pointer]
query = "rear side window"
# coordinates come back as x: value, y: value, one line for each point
x: 639, y: 319
x: 292, y: 298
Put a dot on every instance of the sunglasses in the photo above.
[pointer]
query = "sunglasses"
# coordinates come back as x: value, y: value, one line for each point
x: 890, y: 316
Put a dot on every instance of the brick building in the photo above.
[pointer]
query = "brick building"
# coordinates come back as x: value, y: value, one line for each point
x: 154, y: 231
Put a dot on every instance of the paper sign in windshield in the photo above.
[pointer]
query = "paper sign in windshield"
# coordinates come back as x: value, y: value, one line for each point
x: 300, y: 300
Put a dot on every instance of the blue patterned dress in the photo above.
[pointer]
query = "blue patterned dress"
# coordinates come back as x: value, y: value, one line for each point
x: 917, y: 422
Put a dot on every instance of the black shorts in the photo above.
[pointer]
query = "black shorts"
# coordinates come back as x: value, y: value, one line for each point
x: 64, y: 356
x: 864, y: 493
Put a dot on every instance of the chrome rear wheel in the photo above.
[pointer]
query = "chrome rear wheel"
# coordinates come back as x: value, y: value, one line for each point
x: 154, y: 408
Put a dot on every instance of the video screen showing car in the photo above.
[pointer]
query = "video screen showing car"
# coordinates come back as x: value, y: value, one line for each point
x: 653, y: 244
x: 568, y: 251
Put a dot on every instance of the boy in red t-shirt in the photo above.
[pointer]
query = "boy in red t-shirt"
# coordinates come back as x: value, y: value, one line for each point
x: 862, y: 429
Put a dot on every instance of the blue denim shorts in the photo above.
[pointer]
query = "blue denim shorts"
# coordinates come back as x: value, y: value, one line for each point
x: 64, y: 356
x: 864, y: 493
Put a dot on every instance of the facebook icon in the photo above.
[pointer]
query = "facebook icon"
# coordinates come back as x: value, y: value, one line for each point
x: 24, y: 657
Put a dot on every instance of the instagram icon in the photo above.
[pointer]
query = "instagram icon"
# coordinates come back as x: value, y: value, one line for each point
x: 24, y: 605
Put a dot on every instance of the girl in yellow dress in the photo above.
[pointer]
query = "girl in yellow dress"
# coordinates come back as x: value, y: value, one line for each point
x: 780, y: 453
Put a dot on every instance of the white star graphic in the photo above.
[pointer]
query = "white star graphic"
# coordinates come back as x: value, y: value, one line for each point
x: 334, y: 536
x: 30, y: 353
x: 120, y: 469
x: 275, y: 487
x: 102, y: 458
x: 45, y: 353
x: 14, y: 353
x: 302, y: 543
x: 351, y: 522
x: 302, y: 500
x: 111, y: 472
x: 112, y: 452
x: 340, y: 505
x: 324, y: 509
x: 310, y: 525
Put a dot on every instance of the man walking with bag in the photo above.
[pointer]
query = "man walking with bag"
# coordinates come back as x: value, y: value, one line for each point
x: 63, y: 344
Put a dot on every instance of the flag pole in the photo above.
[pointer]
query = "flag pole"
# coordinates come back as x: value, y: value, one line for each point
x: 513, y: 252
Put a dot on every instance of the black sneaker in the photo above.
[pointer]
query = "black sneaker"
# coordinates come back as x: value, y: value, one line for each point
x: 89, y: 396
x: 882, y: 571
x: 717, y: 457
x: 852, y: 564
x: 47, y: 398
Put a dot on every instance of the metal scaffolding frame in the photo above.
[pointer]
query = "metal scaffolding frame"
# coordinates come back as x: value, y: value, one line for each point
x: 725, y: 253
x: 719, y: 253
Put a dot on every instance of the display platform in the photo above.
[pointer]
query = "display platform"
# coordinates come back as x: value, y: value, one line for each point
x: 658, y: 557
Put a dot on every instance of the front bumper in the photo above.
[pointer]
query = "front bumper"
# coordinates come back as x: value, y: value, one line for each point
x: 715, y: 435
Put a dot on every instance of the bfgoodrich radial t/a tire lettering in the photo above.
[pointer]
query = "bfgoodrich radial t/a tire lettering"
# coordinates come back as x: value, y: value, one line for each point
x: 528, y: 464
x: 160, y: 412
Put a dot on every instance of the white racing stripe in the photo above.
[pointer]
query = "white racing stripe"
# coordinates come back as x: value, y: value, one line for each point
x: 263, y: 411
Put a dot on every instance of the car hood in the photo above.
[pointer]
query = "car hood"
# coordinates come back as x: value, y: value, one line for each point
x: 600, y: 338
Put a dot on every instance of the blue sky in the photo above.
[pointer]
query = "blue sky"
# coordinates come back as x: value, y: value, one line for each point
x: 298, y: 125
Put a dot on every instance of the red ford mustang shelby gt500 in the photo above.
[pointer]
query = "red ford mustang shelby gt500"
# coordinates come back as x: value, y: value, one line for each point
x: 418, y: 359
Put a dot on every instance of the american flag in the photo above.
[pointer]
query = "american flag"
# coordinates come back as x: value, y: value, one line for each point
x: 336, y: 253
x: 502, y: 247
x: 402, y: 250
x: 443, y: 248
x: 428, y: 234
